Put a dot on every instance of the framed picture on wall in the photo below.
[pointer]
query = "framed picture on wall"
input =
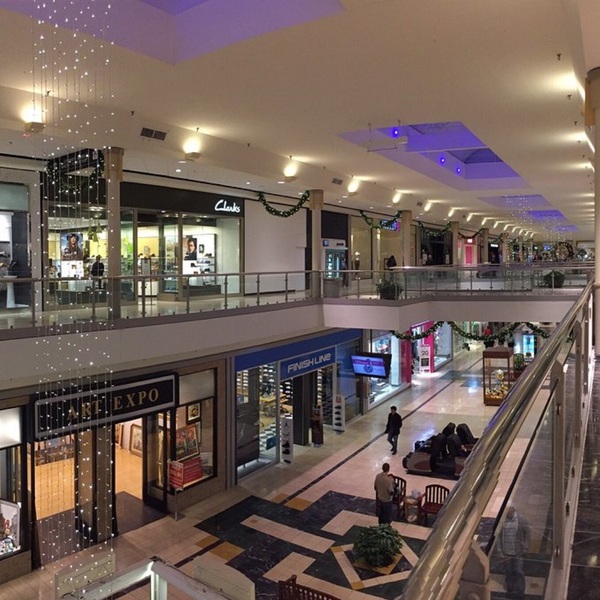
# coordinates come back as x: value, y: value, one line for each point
x: 135, y: 440
x: 186, y: 442
x: 193, y: 412
x: 118, y: 434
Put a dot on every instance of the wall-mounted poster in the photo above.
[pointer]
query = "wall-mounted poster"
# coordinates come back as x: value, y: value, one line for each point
x: 190, y: 250
x: 71, y: 246
x: 186, y: 442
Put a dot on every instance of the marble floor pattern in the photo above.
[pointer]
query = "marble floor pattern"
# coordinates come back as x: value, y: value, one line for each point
x: 299, y: 518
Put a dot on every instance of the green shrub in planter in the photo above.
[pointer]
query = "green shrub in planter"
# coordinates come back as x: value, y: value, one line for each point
x: 388, y: 289
x: 376, y: 546
x: 518, y: 361
x: 554, y: 279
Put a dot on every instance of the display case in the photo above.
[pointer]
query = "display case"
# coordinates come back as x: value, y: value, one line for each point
x: 497, y: 374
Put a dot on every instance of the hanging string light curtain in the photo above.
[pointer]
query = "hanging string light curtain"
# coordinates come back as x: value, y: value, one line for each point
x: 501, y: 335
x: 284, y: 213
x: 383, y: 224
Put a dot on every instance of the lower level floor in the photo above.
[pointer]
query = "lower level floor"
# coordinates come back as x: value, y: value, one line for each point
x: 299, y: 518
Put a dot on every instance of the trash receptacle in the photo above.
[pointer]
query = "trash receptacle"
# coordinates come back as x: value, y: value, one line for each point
x: 332, y: 287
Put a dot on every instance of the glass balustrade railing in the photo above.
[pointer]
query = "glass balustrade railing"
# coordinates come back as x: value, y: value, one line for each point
x: 37, y: 302
x: 508, y: 522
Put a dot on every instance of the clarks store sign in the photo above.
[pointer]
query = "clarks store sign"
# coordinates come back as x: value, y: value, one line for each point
x: 64, y: 414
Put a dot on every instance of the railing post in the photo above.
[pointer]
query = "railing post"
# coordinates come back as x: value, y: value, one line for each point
x: 143, y: 287
x: 93, y: 295
x: 579, y: 376
x: 558, y: 465
x: 226, y: 285
x: 475, y: 580
x: 187, y: 296
x: 32, y: 304
x: 258, y: 289
x: 286, y: 287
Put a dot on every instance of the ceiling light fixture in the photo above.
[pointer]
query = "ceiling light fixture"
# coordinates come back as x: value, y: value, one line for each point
x: 34, y: 127
x: 192, y: 156
x: 290, y: 171
x: 451, y: 212
x: 428, y: 206
x: 397, y: 197
x: 484, y: 220
x: 353, y: 186
x: 469, y: 217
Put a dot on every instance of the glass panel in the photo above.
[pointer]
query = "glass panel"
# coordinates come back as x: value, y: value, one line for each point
x: 10, y: 500
x: 195, y: 426
x: 522, y: 541
x: 347, y: 382
x: 257, y: 416
x: 84, y: 484
x: 127, y: 254
x: 360, y: 246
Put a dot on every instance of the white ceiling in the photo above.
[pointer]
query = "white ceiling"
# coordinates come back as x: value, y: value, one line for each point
x: 266, y: 88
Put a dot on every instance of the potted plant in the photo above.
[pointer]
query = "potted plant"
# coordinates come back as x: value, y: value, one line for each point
x: 388, y: 289
x: 377, y: 546
x: 518, y: 363
x: 554, y: 279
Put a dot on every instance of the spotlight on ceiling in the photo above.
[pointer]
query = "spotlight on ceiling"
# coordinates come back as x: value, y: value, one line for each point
x: 397, y: 197
x: 192, y: 156
x: 34, y: 127
x: 290, y: 172
x: 353, y: 187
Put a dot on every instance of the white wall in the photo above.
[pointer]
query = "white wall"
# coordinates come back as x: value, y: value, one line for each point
x: 273, y: 244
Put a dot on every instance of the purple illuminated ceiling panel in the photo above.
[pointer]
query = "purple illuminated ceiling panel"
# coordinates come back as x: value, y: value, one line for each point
x: 565, y: 228
x: 174, y: 7
x: 522, y: 202
x: 446, y: 151
x: 546, y: 215
x: 184, y: 29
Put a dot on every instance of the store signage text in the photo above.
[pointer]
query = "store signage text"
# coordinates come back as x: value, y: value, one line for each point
x: 306, y: 363
x: 231, y: 207
x: 95, y: 407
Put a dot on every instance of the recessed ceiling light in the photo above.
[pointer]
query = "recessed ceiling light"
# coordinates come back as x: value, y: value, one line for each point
x: 177, y: 170
x: 281, y: 182
x: 248, y: 182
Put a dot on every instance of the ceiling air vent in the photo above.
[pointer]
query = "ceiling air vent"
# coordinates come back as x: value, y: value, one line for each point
x: 154, y: 134
x: 419, y: 203
x: 337, y: 181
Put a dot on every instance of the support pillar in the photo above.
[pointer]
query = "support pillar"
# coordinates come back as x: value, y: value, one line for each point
x: 113, y: 172
x: 316, y: 206
x: 592, y: 104
x: 455, y: 230
x: 407, y: 260
x: 485, y: 245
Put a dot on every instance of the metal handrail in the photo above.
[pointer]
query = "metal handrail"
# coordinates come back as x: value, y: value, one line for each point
x: 440, y: 566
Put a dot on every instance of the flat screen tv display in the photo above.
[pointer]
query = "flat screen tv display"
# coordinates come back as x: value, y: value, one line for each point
x: 372, y: 364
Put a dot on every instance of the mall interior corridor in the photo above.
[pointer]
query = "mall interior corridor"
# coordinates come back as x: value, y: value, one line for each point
x: 295, y: 519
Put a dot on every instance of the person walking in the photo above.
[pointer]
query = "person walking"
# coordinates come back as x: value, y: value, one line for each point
x: 97, y: 270
x: 384, y: 492
x: 513, y: 543
x: 394, y: 424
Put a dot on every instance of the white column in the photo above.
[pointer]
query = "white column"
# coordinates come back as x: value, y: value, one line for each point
x: 405, y: 227
x: 593, y: 102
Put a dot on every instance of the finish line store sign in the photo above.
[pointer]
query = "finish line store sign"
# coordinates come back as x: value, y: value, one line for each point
x: 294, y: 367
x: 64, y: 414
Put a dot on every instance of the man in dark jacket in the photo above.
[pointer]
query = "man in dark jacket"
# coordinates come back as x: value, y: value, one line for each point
x: 394, y: 424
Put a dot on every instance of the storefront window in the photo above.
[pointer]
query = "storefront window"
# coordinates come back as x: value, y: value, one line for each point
x: 442, y: 339
x: 347, y: 382
x: 195, y: 422
x: 257, y: 416
x: 386, y: 343
x: 11, y: 484
x: 360, y: 245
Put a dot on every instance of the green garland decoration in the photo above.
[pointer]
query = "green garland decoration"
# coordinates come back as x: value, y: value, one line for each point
x: 382, y: 224
x: 74, y: 184
x: 433, y: 232
x: 468, y: 237
x: 501, y: 336
x: 284, y: 213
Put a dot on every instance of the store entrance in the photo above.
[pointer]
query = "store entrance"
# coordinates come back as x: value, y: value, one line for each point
x: 132, y: 510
